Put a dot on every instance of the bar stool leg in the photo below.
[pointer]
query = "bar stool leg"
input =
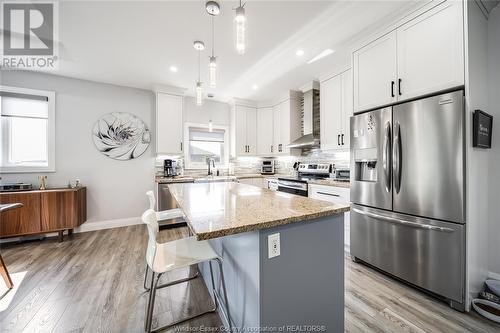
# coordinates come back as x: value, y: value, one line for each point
x: 216, y: 300
x: 151, y: 302
x: 146, y: 278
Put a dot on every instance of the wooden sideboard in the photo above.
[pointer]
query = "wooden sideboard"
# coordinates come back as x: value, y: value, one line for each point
x: 44, y: 211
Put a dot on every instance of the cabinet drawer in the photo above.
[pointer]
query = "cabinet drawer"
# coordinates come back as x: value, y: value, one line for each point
x: 329, y: 193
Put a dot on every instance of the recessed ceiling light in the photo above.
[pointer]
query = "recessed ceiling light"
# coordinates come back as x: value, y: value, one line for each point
x: 255, y: 87
x: 323, y: 54
x: 173, y: 69
x: 299, y: 53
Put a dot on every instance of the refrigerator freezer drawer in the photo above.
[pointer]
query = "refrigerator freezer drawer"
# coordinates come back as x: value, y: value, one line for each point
x: 427, y: 253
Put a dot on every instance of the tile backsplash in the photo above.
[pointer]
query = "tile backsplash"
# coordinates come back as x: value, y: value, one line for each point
x: 250, y: 165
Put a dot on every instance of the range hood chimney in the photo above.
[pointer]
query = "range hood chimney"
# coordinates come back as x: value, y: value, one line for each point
x: 310, y: 122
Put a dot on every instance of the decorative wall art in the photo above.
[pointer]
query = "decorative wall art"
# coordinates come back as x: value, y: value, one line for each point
x: 121, y: 136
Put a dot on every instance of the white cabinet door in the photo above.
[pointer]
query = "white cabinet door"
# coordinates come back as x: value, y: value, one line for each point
x: 265, y: 129
x: 252, y: 131
x: 375, y: 73
x: 169, y: 123
x: 347, y: 111
x: 276, y: 128
x: 284, y: 128
x: 240, y: 130
x: 430, y: 51
x: 330, y: 112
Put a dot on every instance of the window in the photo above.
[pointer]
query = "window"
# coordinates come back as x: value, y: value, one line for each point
x: 203, y: 143
x: 27, y: 131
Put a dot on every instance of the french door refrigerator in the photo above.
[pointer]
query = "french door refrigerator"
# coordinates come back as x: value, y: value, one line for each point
x: 407, y: 193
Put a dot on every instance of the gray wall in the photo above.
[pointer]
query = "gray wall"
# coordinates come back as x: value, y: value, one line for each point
x: 116, y: 189
x: 494, y: 109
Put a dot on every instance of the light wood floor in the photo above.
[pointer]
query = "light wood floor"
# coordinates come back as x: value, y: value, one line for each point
x: 93, y: 283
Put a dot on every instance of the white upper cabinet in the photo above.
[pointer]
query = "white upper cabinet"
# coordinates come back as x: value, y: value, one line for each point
x: 347, y: 110
x: 335, y: 111
x: 265, y: 131
x: 422, y: 56
x: 286, y: 119
x: 431, y: 52
x: 330, y: 112
x: 245, y: 127
x: 169, y: 125
x: 375, y: 73
x: 252, y: 131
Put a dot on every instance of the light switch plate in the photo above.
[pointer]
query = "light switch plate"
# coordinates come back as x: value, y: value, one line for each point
x: 273, y: 244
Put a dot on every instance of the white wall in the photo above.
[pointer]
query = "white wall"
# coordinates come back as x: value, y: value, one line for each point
x: 115, y: 189
x: 483, y: 165
x: 494, y: 109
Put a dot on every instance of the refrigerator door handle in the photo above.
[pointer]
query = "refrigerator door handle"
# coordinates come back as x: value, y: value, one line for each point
x: 397, y: 158
x: 386, y: 158
x: 403, y: 222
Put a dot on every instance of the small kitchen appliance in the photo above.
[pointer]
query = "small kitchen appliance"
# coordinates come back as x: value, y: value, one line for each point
x: 169, y: 169
x: 341, y: 175
x: 267, y: 167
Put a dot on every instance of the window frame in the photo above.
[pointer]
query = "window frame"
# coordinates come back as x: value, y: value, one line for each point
x: 51, y: 133
x: 202, y: 166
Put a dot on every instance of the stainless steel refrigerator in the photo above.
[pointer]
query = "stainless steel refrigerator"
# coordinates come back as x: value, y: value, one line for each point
x: 407, y: 193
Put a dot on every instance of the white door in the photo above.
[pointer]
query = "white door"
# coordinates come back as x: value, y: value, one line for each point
x: 240, y: 130
x: 347, y: 112
x: 169, y: 123
x: 375, y: 73
x: 330, y: 112
x: 430, y: 51
x: 265, y: 131
x: 252, y: 131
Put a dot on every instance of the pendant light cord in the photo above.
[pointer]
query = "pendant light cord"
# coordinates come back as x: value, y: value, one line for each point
x: 213, y: 37
x: 199, y: 67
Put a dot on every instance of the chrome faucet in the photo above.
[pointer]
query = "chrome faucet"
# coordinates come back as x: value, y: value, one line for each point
x: 210, y: 161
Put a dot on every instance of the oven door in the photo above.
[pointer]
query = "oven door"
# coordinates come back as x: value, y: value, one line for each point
x: 292, y: 187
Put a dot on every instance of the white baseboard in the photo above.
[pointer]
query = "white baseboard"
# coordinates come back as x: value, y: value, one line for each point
x: 108, y: 224
x: 87, y: 226
x: 493, y: 275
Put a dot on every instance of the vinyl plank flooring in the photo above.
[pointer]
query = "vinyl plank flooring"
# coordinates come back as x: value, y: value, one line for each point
x: 93, y: 282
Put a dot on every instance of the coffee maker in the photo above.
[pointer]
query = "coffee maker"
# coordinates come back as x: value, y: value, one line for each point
x: 169, y: 168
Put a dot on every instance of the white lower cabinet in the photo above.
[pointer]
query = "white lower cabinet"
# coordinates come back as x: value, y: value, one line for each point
x: 333, y: 194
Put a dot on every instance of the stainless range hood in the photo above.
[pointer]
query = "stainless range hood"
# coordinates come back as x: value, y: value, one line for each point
x: 310, y: 122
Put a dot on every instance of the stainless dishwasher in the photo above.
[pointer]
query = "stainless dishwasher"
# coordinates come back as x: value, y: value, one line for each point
x: 167, y: 201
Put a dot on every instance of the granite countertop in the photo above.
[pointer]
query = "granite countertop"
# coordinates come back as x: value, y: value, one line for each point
x: 226, y: 208
x: 329, y: 182
x: 205, y: 178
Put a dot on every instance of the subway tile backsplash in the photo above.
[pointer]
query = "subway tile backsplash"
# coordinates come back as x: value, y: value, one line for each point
x: 283, y: 164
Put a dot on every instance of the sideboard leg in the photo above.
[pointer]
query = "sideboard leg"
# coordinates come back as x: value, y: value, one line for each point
x: 61, y: 234
x: 70, y: 232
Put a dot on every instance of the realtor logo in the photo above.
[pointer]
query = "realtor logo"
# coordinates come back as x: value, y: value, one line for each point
x: 29, y: 35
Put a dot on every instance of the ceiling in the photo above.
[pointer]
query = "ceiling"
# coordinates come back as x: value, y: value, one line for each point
x: 133, y: 43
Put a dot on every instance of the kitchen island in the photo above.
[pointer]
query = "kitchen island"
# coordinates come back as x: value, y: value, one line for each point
x: 301, y: 289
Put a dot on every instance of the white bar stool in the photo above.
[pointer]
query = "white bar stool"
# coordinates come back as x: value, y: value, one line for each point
x: 165, y: 214
x: 165, y: 257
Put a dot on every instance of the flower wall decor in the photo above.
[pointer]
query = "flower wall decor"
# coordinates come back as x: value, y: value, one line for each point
x: 121, y: 136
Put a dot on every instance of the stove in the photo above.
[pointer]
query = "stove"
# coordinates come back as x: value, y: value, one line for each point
x: 306, y: 172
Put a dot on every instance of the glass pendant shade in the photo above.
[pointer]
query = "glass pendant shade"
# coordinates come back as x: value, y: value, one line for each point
x: 212, y: 72
x: 240, y: 22
x: 199, y: 94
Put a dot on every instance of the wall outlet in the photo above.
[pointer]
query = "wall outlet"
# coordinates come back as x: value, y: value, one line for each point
x: 273, y: 244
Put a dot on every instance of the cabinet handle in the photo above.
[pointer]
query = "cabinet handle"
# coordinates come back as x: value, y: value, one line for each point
x: 330, y: 194
x: 248, y: 148
x: 338, y: 140
x: 392, y: 89
x: 181, y: 145
x: 399, y: 87
x: 342, y: 139
x: 271, y: 148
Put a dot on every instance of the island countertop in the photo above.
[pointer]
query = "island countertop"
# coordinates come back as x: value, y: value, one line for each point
x: 221, y: 209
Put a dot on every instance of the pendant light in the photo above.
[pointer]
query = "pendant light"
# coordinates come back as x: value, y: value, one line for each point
x: 240, y: 21
x: 199, y: 46
x: 213, y: 9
